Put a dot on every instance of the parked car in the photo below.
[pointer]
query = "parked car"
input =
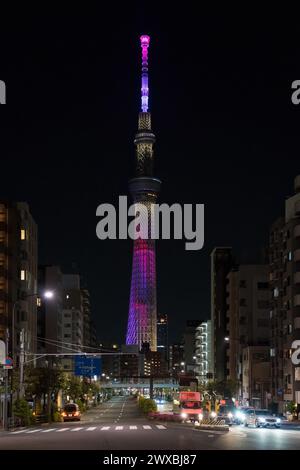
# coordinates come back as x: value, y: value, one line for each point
x: 261, y: 419
x: 71, y: 412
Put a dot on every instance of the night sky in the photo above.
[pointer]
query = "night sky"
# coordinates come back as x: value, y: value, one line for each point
x: 227, y: 136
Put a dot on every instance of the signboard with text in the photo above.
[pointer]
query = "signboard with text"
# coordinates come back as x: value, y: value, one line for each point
x: 2, y: 353
x: 87, y: 366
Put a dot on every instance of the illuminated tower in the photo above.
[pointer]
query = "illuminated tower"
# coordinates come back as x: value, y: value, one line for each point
x: 144, y: 189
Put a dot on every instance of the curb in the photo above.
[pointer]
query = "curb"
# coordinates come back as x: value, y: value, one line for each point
x: 212, y: 427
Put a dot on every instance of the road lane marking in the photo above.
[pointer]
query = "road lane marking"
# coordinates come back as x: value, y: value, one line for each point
x: 105, y: 428
x: 49, y: 430
x: 31, y: 432
x: 132, y: 427
x: 119, y: 428
x: 210, y: 435
x: 63, y: 429
x: 19, y: 432
x: 147, y: 427
x: 91, y: 429
x: 160, y: 426
x: 76, y: 429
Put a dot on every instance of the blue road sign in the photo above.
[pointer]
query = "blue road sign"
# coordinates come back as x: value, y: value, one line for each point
x: 87, y: 366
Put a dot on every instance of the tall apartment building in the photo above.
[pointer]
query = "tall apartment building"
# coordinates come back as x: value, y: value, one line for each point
x: 50, y: 311
x: 248, y: 318
x: 189, y: 346
x: 203, y: 352
x: 284, y: 250
x: 162, y: 336
x: 256, y: 376
x: 18, y: 277
x: 176, y: 359
x: 221, y: 264
x: 72, y: 316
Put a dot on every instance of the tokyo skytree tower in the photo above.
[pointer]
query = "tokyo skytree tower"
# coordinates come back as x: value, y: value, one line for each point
x: 144, y: 189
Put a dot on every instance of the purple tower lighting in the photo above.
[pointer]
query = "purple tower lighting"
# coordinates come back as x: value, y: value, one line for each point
x: 145, y: 41
x: 144, y: 188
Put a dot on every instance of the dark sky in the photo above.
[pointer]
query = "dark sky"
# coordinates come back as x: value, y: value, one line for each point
x: 227, y: 136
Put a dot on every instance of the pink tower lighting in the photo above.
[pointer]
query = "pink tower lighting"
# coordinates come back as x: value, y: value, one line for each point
x: 145, y: 41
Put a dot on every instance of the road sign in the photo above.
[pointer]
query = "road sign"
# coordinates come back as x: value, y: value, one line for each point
x: 87, y: 366
x: 8, y: 363
x: 2, y: 353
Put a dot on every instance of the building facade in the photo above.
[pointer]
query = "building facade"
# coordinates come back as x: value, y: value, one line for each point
x: 203, y: 353
x: 18, y: 278
x: 221, y: 264
x: 162, y: 336
x: 248, y: 317
x: 284, y: 249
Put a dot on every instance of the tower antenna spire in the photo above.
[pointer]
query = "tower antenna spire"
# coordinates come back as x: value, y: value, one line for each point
x: 145, y: 41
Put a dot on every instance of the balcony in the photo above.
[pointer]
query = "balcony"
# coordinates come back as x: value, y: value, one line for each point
x: 297, y: 300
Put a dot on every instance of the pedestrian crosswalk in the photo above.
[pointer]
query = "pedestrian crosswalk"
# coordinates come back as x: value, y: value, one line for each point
x: 119, y: 428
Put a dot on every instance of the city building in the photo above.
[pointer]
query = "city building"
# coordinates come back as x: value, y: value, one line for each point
x: 203, y: 361
x: 248, y: 317
x: 284, y: 250
x: 18, y: 277
x: 49, y: 312
x: 189, y: 346
x: 176, y: 359
x: 162, y: 336
x: 72, y: 318
x: 144, y: 188
x: 221, y: 264
x: 256, y: 376
x: 154, y: 362
x: 131, y: 362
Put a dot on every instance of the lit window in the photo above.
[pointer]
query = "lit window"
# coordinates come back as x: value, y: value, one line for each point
x: 38, y: 302
x: 23, y: 234
x: 23, y: 274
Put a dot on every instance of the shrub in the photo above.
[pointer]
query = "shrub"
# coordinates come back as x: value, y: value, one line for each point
x: 148, y: 405
x: 22, y: 410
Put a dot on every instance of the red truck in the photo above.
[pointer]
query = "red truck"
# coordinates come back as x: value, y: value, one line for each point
x: 190, y: 406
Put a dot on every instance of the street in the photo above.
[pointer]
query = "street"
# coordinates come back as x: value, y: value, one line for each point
x: 118, y: 425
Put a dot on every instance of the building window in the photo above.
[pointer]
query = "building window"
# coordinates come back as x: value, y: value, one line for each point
x: 262, y: 285
x: 38, y: 302
x: 263, y: 304
x: 297, y: 373
x: 23, y: 234
x: 23, y: 275
x: 23, y: 316
x: 290, y: 328
x: 272, y: 352
x: 276, y: 292
x: 290, y: 256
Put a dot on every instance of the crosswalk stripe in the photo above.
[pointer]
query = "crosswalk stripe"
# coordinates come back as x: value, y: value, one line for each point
x: 19, y: 432
x: 63, y: 429
x: 119, y: 428
x: 105, y: 428
x: 76, y: 429
x: 34, y: 430
x: 147, y: 427
x: 49, y: 430
x: 132, y: 427
x: 91, y: 429
x: 160, y: 426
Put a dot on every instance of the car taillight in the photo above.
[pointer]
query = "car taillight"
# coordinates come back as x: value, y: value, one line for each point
x: 64, y: 413
x: 76, y: 413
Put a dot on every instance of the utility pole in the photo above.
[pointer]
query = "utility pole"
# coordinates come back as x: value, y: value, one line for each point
x: 22, y: 363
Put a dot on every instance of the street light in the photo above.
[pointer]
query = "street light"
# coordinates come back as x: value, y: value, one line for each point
x: 226, y: 339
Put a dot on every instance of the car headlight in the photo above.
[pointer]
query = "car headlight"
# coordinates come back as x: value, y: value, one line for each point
x: 200, y: 417
x: 230, y: 415
x: 278, y: 420
x: 183, y: 415
x: 213, y: 414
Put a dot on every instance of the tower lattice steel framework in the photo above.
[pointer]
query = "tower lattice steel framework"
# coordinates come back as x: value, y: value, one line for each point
x: 144, y: 189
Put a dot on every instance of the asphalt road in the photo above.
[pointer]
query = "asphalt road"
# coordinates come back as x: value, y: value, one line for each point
x: 118, y: 425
